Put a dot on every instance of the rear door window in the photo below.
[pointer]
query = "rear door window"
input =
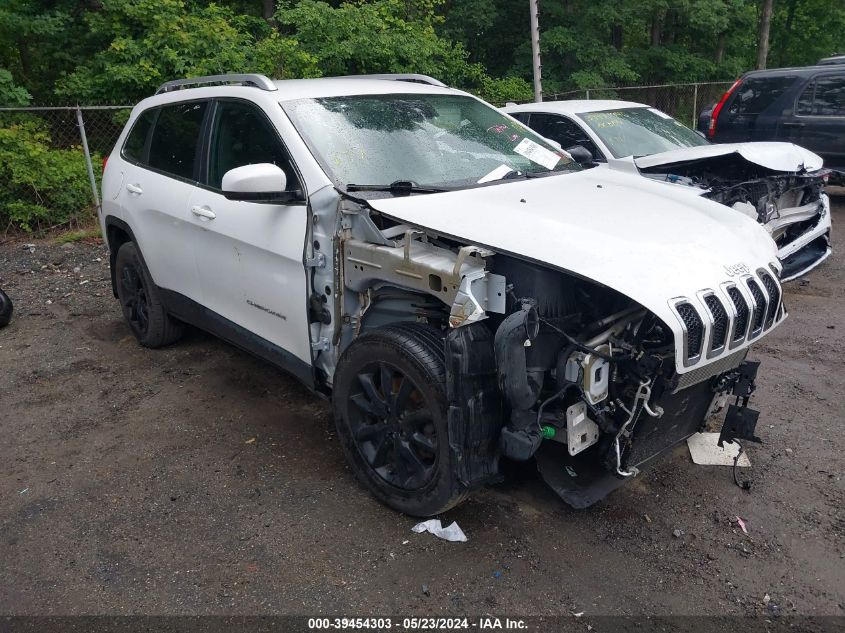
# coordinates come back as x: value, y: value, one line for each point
x: 176, y: 137
x: 756, y: 94
x: 829, y: 99
x: 824, y: 96
x: 136, y: 143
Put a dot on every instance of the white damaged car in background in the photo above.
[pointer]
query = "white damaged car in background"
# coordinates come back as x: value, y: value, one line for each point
x: 780, y: 185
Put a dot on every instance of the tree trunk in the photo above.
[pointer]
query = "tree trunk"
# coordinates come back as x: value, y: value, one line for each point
x: 268, y: 10
x: 26, y: 63
x: 656, y: 28
x: 721, y: 41
x: 763, y: 33
x: 787, y: 32
x: 616, y: 36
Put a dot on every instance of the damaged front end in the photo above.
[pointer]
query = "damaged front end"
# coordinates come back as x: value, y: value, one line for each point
x: 548, y: 365
x: 792, y: 206
x: 589, y: 378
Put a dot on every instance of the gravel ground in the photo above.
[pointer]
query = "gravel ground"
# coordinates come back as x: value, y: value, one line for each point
x: 199, y: 480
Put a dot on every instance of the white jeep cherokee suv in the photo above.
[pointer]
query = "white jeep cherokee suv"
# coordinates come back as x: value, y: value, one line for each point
x: 459, y: 287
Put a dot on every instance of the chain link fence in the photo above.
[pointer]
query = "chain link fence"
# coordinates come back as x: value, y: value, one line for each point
x: 51, y: 157
x: 51, y: 164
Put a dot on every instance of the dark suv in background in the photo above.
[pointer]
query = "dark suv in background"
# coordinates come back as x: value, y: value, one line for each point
x: 805, y: 106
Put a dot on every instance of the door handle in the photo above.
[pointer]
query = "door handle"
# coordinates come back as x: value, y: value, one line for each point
x: 203, y: 212
x: 136, y: 189
x: 792, y: 124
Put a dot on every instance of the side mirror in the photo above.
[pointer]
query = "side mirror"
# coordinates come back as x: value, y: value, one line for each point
x: 261, y: 182
x: 580, y: 155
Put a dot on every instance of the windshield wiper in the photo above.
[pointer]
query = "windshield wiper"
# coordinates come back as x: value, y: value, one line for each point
x: 397, y: 188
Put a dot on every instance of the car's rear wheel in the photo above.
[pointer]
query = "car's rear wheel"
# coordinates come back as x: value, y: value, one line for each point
x: 391, y: 413
x: 141, y: 301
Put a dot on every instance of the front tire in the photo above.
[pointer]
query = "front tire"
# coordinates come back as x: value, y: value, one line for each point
x: 390, y: 408
x: 141, y: 301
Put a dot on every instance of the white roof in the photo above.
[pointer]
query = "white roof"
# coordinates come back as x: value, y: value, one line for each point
x: 342, y: 86
x: 573, y: 106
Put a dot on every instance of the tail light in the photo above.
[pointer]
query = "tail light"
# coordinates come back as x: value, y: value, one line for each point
x: 105, y: 162
x: 711, y: 130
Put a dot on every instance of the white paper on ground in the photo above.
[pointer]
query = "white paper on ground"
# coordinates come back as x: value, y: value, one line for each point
x: 705, y: 452
x: 537, y: 153
x: 450, y: 533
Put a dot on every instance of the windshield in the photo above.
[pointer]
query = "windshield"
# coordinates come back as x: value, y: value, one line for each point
x: 430, y: 140
x: 640, y: 131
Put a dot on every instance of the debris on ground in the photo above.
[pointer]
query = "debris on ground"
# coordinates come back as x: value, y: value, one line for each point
x: 741, y: 524
x: 705, y: 451
x: 677, y: 533
x: 450, y: 533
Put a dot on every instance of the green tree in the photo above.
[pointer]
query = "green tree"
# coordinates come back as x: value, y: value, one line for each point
x: 376, y: 37
x: 11, y: 95
x: 142, y: 43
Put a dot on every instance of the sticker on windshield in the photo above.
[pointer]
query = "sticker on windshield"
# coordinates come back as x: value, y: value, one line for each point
x: 537, y: 153
x: 659, y: 113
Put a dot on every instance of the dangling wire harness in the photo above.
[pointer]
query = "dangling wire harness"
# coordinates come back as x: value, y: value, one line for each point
x: 640, y: 404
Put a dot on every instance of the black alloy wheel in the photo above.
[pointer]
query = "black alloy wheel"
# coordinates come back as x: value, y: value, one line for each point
x: 391, y: 412
x: 392, y: 426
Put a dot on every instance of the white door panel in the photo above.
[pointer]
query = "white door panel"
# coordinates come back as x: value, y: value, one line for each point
x: 156, y: 207
x: 249, y: 257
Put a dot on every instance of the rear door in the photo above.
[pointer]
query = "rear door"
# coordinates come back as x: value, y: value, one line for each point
x: 160, y: 178
x: 754, y: 110
x: 250, y: 255
x: 817, y: 121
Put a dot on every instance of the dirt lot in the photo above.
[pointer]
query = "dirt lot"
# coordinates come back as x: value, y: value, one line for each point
x: 198, y: 480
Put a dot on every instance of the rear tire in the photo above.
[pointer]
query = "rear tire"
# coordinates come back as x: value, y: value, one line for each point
x: 141, y: 301
x: 390, y: 407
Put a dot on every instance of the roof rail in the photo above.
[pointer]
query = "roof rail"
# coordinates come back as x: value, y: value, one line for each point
x: 414, y: 78
x: 242, y: 79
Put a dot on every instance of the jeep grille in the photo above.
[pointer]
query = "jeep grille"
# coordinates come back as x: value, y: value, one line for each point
x: 716, y: 322
x: 741, y: 323
x: 720, y: 321
x: 694, y: 328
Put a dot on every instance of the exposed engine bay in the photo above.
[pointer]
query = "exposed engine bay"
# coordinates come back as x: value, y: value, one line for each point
x: 542, y: 364
x: 789, y: 205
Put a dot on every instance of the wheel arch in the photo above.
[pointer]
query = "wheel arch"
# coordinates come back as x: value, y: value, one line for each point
x: 118, y: 233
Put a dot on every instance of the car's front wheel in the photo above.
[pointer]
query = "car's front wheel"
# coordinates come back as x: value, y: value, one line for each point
x: 391, y: 413
x: 141, y: 301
